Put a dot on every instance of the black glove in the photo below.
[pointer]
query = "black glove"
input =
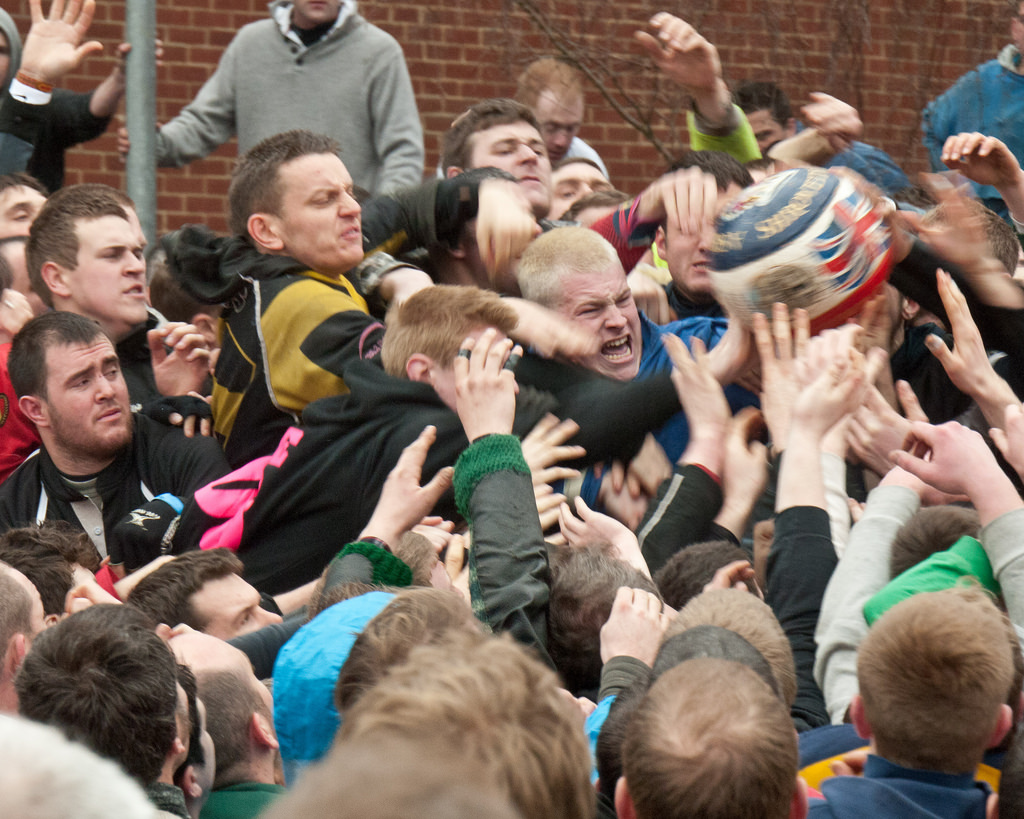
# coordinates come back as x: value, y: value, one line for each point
x: 160, y: 409
x: 145, y: 534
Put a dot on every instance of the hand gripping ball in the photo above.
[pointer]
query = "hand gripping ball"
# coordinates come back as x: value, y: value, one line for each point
x: 804, y: 237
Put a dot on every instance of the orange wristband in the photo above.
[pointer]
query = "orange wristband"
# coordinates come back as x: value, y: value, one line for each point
x: 32, y: 82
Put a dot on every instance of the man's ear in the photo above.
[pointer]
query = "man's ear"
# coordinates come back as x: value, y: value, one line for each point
x: 623, y: 801
x: 790, y: 127
x: 263, y: 230
x: 418, y: 368
x: 55, y: 277
x: 660, y: 242
x: 17, y: 648
x: 909, y: 310
x: 1003, y: 724
x: 261, y: 731
x: 858, y: 718
x: 452, y: 171
x: 189, y: 783
x: 207, y: 327
x: 34, y: 409
x: 798, y: 807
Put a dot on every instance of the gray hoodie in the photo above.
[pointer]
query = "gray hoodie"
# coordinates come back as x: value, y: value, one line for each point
x: 10, y: 31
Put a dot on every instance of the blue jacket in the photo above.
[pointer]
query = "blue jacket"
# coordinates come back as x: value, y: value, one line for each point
x: 888, y: 790
x: 989, y: 99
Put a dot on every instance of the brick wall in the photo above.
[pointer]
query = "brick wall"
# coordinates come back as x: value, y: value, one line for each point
x: 888, y: 58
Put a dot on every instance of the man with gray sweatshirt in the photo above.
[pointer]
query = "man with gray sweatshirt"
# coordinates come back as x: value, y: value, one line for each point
x: 316, y: 65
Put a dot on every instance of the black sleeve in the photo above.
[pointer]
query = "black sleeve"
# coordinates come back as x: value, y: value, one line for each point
x: 70, y: 122
x: 261, y: 646
x: 20, y: 124
x: 424, y: 216
x: 681, y: 514
x: 177, y: 464
x: 613, y: 416
x: 1001, y: 328
x: 800, y: 565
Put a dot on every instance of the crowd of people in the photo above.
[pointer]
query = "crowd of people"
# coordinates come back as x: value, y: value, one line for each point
x: 466, y: 495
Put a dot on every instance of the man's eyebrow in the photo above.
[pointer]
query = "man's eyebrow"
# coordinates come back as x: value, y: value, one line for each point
x: 79, y: 374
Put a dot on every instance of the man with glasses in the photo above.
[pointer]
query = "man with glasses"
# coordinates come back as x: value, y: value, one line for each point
x: 988, y: 99
x: 554, y: 90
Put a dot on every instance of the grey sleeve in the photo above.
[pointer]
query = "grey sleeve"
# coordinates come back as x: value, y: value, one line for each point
x: 204, y: 124
x: 397, y: 133
x: 863, y: 570
x: 1003, y: 540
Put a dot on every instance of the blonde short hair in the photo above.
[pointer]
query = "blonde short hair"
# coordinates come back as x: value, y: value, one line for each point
x: 554, y: 256
x: 435, y: 321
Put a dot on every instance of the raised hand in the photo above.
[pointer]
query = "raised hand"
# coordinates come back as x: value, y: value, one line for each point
x: 54, y: 44
x: 403, y: 502
x: 485, y: 388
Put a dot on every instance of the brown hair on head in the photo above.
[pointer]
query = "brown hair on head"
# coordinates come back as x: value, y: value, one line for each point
x: 934, y: 671
x: 166, y: 594
x: 457, y: 141
x: 415, y: 617
x: 710, y: 739
x: 255, y: 181
x: 53, y: 236
x: 486, y: 699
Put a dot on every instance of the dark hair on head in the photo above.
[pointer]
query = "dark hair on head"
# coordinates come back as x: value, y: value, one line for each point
x: 26, y: 363
x: 166, y: 594
x: 105, y: 679
x: 231, y: 700
x: 196, y: 752
x: 933, y: 529
x: 726, y: 169
x: 167, y: 296
x: 256, y: 181
x: 758, y: 95
x: 42, y: 564
x: 597, y: 199
x: 53, y: 236
x: 1011, y: 782
x: 584, y: 582
x: 20, y: 179
x: 15, y: 607
x: 415, y: 617
x: 73, y: 544
x: 323, y: 598
x: 691, y: 568
x: 456, y: 143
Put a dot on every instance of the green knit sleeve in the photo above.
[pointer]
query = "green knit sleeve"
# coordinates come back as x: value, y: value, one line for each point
x: 388, y: 570
x: 492, y: 453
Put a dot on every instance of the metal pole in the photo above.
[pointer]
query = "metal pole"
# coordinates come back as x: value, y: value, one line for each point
x: 140, y: 110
